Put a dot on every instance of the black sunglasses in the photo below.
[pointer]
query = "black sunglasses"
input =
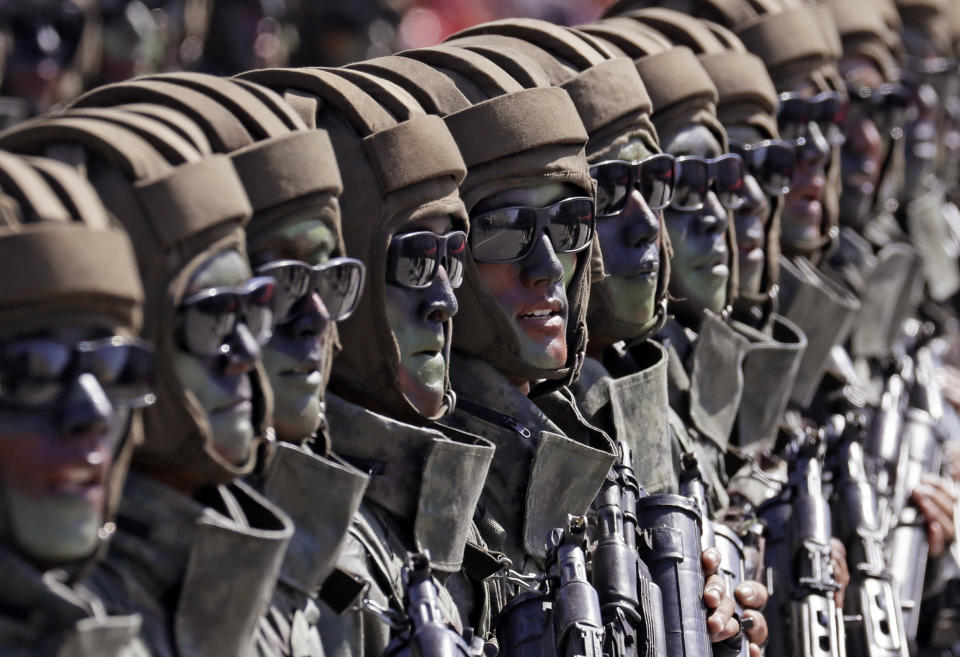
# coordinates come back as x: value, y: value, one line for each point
x: 338, y: 282
x: 36, y: 374
x: 654, y: 176
x: 887, y: 106
x: 209, y: 319
x: 509, y: 234
x: 696, y: 176
x: 415, y: 258
x: 798, y: 111
x: 772, y: 162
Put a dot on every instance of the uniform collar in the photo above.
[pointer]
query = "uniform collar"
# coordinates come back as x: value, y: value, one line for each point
x: 223, y: 558
x: 321, y: 495
x: 540, y: 473
x: 424, y: 477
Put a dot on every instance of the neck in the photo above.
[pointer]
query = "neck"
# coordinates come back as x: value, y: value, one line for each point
x: 520, y: 383
x: 178, y: 481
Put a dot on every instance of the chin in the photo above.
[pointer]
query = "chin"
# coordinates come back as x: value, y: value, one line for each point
x: 233, y: 442
x: 296, y: 419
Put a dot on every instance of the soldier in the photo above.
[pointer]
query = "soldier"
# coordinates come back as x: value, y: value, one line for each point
x: 74, y: 379
x: 184, y: 521
x: 292, y: 180
x: 521, y: 328
x: 402, y: 216
x: 631, y: 406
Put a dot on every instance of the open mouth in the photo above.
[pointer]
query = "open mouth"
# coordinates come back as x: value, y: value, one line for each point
x: 76, y: 480
x: 546, y: 315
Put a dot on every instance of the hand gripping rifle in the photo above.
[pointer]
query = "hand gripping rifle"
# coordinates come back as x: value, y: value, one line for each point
x: 630, y: 603
x: 427, y: 635
x: 874, y: 619
x: 798, y: 532
x: 564, y: 620
x: 725, y: 541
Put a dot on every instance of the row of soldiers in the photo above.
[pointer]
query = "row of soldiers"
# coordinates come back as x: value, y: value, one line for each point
x: 623, y: 339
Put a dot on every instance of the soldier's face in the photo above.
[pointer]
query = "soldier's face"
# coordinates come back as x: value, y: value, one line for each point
x: 863, y: 151
x: 700, y: 266
x: 630, y: 243
x: 750, y: 220
x: 416, y: 317
x: 532, y: 292
x: 297, y: 355
x: 222, y: 384
x: 55, y: 466
x: 802, y: 218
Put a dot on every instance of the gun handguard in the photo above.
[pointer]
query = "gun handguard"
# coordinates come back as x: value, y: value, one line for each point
x: 669, y: 543
x: 908, y: 541
x: 798, y: 533
x: 871, y: 596
x: 630, y: 603
x: 428, y: 635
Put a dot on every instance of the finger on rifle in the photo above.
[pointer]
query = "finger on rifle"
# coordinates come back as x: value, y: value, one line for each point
x: 752, y: 595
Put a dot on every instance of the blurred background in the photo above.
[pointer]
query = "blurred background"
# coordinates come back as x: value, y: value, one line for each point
x: 51, y: 50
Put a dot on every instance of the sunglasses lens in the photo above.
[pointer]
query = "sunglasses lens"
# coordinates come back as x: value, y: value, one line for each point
x: 693, y: 182
x: 293, y: 281
x: 657, y: 177
x: 502, y: 235
x: 729, y: 172
x: 339, y: 287
x: 207, y: 324
x: 31, y: 371
x: 456, y: 252
x: 773, y: 166
x: 571, y: 225
x: 259, y: 311
x: 124, y: 369
x: 614, y: 182
x: 415, y: 258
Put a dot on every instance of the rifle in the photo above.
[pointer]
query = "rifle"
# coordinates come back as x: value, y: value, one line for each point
x: 669, y: 543
x: 427, y: 635
x: 564, y: 619
x: 630, y: 603
x: 798, y: 531
x: 908, y: 540
x: 725, y: 541
x: 875, y: 621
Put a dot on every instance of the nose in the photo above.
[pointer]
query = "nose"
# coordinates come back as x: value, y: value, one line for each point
x: 541, y: 266
x: 244, y: 352
x: 755, y: 199
x: 713, y: 219
x: 440, y: 303
x: 864, y: 138
x: 312, y: 317
x: 643, y: 224
x: 816, y: 148
x: 87, y: 410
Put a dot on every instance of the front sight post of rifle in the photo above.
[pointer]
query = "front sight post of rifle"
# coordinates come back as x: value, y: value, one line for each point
x: 630, y: 603
x: 427, y: 634
x: 577, y: 621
